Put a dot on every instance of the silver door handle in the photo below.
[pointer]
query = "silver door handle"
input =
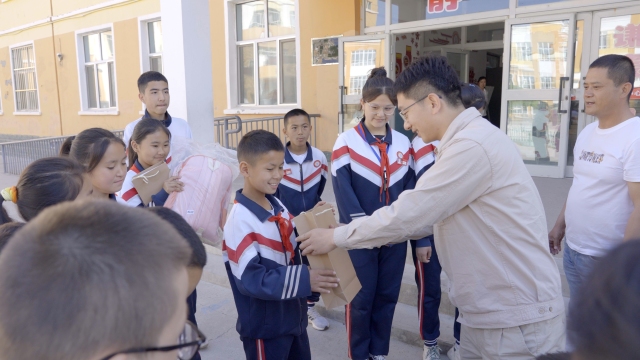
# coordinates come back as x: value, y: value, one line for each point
x: 562, y: 82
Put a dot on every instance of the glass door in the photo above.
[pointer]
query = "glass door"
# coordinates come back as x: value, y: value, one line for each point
x: 357, y: 56
x: 536, y: 95
x: 459, y: 60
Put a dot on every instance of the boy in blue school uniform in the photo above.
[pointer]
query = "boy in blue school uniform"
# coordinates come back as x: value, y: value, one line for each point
x: 268, y: 279
x: 305, y: 175
x: 370, y: 169
x: 425, y: 259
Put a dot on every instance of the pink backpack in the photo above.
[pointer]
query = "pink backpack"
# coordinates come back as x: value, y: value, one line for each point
x: 205, y: 198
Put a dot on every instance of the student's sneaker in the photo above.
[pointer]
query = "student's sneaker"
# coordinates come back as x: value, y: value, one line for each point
x: 378, y: 357
x: 205, y: 344
x: 454, y: 352
x: 431, y: 352
x: 316, y: 320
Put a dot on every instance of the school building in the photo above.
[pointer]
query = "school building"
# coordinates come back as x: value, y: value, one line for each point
x: 67, y: 65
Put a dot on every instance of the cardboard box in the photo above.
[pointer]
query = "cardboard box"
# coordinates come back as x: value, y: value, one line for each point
x: 337, y: 260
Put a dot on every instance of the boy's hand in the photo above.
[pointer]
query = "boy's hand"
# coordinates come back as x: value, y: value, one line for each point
x: 424, y: 254
x: 323, y: 281
x: 173, y: 184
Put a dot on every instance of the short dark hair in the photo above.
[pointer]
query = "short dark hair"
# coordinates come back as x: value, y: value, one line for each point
x: 604, y: 320
x: 472, y: 96
x: 88, y: 277
x: 89, y: 146
x: 620, y: 69
x: 7, y: 231
x: 296, y: 112
x: 199, y: 254
x: 46, y: 182
x: 379, y: 84
x: 481, y: 78
x: 430, y: 74
x: 143, y: 128
x: 148, y: 77
x: 257, y: 143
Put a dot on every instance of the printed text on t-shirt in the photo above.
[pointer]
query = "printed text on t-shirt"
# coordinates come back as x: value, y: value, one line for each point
x: 591, y: 156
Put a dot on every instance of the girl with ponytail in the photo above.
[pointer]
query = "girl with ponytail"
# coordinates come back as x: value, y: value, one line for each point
x: 46, y: 182
x: 370, y: 168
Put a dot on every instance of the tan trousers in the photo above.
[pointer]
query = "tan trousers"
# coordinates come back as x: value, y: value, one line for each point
x: 515, y: 343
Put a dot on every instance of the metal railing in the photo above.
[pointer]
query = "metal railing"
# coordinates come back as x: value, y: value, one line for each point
x: 230, y: 129
x: 18, y: 154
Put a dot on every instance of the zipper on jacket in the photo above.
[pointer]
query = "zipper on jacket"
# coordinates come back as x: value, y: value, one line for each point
x: 302, y: 187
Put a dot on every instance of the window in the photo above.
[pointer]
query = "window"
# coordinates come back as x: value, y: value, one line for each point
x: 546, y: 82
x: 563, y: 50
x: 266, y: 52
x: 363, y: 58
x: 545, y: 51
x: 604, y: 40
x: 97, y: 70
x: 25, y: 83
x: 356, y: 83
x: 527, y: 82
x: 154, y: 30
x: 369, y: 5
x: 523, y: 51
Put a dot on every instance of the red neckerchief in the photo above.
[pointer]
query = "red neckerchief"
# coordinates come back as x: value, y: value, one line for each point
x: 283, y: 227
x: 384, y: 161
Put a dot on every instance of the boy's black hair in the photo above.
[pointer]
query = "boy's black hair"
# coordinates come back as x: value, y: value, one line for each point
x: 472, y: 96
x: 46, y: 182
x: 620, y: 69
x: 296, y: 112
x: 148, y: 77
x: 604, y: 315
x: 89, y: 277
x: 482, y: 78
x: 143, y: 128
x: 89, y: 146
x: 7, y: 230
x: 257, y: 143
x: 430, y: 74
x: 379, y: 84
x: 199, y: 255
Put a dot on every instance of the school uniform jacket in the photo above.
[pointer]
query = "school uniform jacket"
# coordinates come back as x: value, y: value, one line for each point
x: 269, y: 288
x: 423, y: 158
x: 128, y: 195
x: 303, y: 184
x: 355, y: 171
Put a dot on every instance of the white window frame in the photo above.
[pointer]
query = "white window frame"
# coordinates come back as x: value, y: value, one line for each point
x: 529, y: 80
x: 356, y: 83
x: 233, y: 92
x: 546, y: 82
x: 13, y: 80
x: 521, y: 53
x: 143, y: 35
x: 545, y: 51
x: 82, y: 79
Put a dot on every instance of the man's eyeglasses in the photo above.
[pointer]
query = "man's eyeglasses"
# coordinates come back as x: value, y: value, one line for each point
x: 387, y: 110
x: 403, y: 114
x: 188, y: 345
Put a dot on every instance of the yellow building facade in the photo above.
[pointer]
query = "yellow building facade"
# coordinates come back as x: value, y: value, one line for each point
x: 67, y: 65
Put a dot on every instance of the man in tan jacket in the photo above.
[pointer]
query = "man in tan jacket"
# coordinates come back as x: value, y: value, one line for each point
x: 487, y: 217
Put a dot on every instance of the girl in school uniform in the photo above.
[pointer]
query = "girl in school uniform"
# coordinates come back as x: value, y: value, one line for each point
x: 149, y: 145
x: 103, y: 155
x: 370, y: 168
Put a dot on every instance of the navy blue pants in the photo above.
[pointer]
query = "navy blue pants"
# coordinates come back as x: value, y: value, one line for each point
x: 369, y: 316
x: 280, y: 348
x: 428, y: 281
x: 191, y: 302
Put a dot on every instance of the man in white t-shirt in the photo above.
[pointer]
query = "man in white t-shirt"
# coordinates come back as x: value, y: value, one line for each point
x: 603, y: 206
x: 153, y: 90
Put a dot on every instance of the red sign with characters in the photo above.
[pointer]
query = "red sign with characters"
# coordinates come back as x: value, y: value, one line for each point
x: 438, y: 6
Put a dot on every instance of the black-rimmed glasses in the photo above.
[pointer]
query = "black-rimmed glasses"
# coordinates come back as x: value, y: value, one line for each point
x: 403, y: 113
x: 188, y: 345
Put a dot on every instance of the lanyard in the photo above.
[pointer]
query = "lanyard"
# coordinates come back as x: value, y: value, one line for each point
x: 360, y: 131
